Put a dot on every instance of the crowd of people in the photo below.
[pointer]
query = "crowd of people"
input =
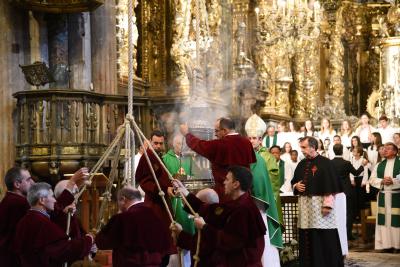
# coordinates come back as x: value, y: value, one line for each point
x: 239, y: 222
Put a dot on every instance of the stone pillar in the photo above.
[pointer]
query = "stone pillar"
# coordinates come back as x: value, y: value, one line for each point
x: 79, y: 51
x: 14, y: 51
x: 58, y: 50
x: 104, y: 48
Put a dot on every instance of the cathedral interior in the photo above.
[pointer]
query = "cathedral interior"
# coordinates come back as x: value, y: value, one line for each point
x: 68, y: 66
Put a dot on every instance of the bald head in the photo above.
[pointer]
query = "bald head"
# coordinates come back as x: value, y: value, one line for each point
x: 208, y: 196
x: 177, y: 143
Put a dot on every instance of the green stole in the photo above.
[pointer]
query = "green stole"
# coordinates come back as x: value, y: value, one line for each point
x: 395, y: 196
x: 262, y: 191
x: 281, y: 172
x: 267, y: 140
x: 173, y: 165
x: 273, y: 171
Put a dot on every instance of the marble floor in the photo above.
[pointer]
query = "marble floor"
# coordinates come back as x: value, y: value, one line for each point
x: 372, y: 259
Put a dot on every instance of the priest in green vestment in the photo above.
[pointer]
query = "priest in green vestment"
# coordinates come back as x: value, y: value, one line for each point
x: 262, y: 192
x: 177, y: 165
x: 386, y: 178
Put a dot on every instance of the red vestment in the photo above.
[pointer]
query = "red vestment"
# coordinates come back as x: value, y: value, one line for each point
x: 12, y: 208
x: 233, y: 235
x: 222, y: 153
x: 41, y: 243
x: 59, y: 217
x: 152, y: 198
x: 137, y: 237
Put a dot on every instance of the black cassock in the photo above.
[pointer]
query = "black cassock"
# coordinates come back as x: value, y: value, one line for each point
x: 319, y: 243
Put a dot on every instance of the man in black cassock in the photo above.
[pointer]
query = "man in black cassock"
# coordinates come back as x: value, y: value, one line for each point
x: 316, y: 184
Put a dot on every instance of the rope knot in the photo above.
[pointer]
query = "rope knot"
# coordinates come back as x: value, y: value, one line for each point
x: 161, y: 194
x: 129, y: 118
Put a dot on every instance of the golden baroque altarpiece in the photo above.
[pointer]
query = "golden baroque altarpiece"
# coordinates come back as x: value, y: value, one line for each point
x: 283, y: 59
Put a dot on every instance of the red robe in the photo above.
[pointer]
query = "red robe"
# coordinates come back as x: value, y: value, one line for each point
x: 137, y: 237
x: 152, y: 199
x: 60, y: 218
x: 12, y: 208
x: 233, y: 235
x: 41, y: 243
x: 223, y: 153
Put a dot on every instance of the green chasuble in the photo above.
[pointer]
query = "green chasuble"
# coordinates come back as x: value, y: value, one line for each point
x: 262, y: 191
x: 395, y: 205
x: 173, y: 165
x: 273, y: 171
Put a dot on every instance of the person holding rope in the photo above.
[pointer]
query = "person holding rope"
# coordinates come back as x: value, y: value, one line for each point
x: 136, y: 235
x: 15, y: 205
x: 179, y: 166
x: 235, y: 234
x: 186, y: 240
x: 64, y: 192
x: 228, y: 149
x: 40, y: 242
x: 152, y: 198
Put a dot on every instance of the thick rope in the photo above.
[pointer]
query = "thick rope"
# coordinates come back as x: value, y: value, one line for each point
x: 107, y: 193
x: 130, y: 57
x: 128, y: 155
x: 100, y: 162
x: 129, y: 150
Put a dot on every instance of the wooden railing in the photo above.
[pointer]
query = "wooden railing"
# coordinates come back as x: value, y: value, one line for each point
x: 59, y: 131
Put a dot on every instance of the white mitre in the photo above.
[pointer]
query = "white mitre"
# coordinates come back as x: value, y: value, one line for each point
x: 255, y: 126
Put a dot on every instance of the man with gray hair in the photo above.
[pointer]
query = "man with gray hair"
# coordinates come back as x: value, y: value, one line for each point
x: 136, y: 235
x: 187, y: 240
x: 12, y: 208
x: 39, y: 241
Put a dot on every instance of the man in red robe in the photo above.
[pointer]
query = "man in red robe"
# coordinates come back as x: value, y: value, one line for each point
x: 12, y: 208
x: 64, y: 193
x: 187, y: 241
x: 137, y: 236
x: 41, y: 243
x: 227, y: 150
x: 235, y: 232
x: 145, y: 179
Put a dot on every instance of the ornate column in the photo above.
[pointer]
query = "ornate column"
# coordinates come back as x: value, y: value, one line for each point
x: 265, y: 54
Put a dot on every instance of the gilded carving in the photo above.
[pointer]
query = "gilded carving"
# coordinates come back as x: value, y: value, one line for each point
x: 70, y: 150
x: 122, y: 38
x: 336, y: 67
x: 40, y: 151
